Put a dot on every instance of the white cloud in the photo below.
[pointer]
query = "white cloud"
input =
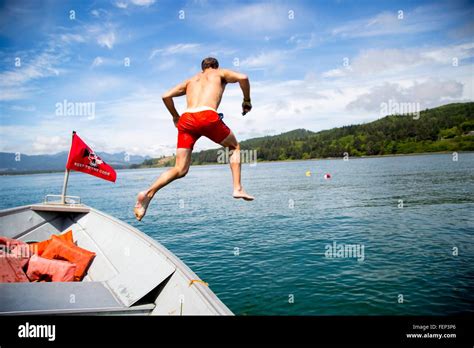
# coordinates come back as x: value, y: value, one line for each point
x: 421, y: 19
x: 304, y: 41
x: 334, y: 73
x: 386, y: 61
x: 97, y: 61
x: 71, y: 38
x: 123, y: 4
x: 429, y: 93
x: 283, y: 106
x: 16, y: 83
x: 265, y: 60
x: 103, y: 32
x: 101, y: 61
x: 20, y: 82
x: 382, y: 23
x: 181, y: 48
x: 99, y: 13
x: 16, y: 138
x: 445, y: 55
x: 50, y: 145
x: 41, y: 66
x: 15, y: 93
x: 259, y: 18
x: 139, y: 122
x: 106, y: 40
x: 28, y: 108
x: 143, y: 2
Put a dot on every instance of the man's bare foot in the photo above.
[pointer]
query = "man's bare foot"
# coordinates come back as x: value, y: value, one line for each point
x: 242, y: 194
x: 142, y: 204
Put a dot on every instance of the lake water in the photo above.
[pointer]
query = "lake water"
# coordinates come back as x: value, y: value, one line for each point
x: 268, y: 256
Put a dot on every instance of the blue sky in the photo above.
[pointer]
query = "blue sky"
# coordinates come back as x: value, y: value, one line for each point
x: 312, y: 64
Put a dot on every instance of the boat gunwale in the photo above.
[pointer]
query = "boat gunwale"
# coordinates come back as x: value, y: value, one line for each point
x: 209, y: 296
x: 8, y: 211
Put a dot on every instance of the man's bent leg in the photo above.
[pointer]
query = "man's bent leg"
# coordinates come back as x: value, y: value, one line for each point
x: 180, y: 169
x: 231, y: 142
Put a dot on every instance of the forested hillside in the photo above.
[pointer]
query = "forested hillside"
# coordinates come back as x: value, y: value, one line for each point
x: 445, y: 128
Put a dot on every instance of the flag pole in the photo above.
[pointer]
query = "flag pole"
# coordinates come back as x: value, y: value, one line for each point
x: 66, y: 177
x: 63, y: 194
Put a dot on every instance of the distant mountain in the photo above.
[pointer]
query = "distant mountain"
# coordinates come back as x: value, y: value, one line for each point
x: 13, y: 163
x: 444, y: 128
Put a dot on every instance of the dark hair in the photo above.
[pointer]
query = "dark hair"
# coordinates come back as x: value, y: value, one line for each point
x: 209, y: 62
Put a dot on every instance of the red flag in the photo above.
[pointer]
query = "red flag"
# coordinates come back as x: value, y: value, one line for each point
x: 83, y: 159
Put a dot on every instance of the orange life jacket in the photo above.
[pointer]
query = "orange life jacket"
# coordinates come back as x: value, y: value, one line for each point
x: 40, y: 247
x: 11, y: 270
x: 64, y: 250
x: 22, y: 252
x: 42, y: 269
x: 17, y: 248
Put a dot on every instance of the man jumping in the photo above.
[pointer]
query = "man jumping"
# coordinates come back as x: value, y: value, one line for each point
x: 203, y: 96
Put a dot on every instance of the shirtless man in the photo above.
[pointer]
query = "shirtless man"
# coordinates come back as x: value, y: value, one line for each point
x: 203, y: 96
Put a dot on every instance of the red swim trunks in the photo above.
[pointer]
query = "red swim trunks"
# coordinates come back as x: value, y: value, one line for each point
x: 191, y: 126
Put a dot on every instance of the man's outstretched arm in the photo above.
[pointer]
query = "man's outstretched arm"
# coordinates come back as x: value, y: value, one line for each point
x: 176, y: 91
x: 232, y: 77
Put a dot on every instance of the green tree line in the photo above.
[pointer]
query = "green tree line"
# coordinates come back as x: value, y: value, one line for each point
x: 445, y: 128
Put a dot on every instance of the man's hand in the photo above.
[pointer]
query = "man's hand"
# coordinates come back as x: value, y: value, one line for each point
x: 232, y: 77
x: 246, y: 106
x: 175, y: 121
x: 176, y: 91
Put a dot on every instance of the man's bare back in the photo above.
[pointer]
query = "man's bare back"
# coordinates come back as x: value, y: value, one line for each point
x: 205, y: 89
